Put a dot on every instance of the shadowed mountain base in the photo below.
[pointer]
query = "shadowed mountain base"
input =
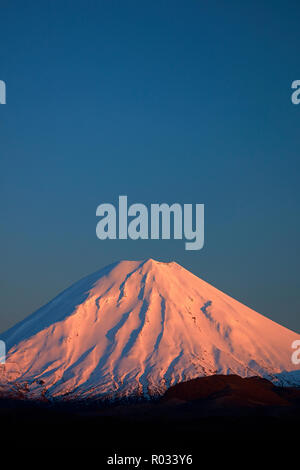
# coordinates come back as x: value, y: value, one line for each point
x: 187, y: 418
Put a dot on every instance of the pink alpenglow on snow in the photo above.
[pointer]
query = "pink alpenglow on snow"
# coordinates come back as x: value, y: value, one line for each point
x: 138, y: 327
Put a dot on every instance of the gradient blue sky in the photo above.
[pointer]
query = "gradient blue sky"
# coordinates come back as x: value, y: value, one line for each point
x: 165, y: 101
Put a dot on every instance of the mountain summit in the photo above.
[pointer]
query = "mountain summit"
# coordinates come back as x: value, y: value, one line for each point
x: 138, y: 327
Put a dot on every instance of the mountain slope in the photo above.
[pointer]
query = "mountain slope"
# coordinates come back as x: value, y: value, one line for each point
x: 138, y: 327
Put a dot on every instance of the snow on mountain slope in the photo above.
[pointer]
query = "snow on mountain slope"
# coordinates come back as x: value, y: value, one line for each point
x: 137, y: 327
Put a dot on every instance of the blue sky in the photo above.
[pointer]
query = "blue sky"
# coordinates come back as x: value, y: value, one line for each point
x: 164, y: 101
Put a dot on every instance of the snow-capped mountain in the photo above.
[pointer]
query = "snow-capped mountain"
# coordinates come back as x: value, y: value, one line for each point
x: 136, y: 328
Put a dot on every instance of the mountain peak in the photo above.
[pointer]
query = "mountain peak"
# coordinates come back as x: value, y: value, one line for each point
x: 149, y: 262
x: 138, y: 327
